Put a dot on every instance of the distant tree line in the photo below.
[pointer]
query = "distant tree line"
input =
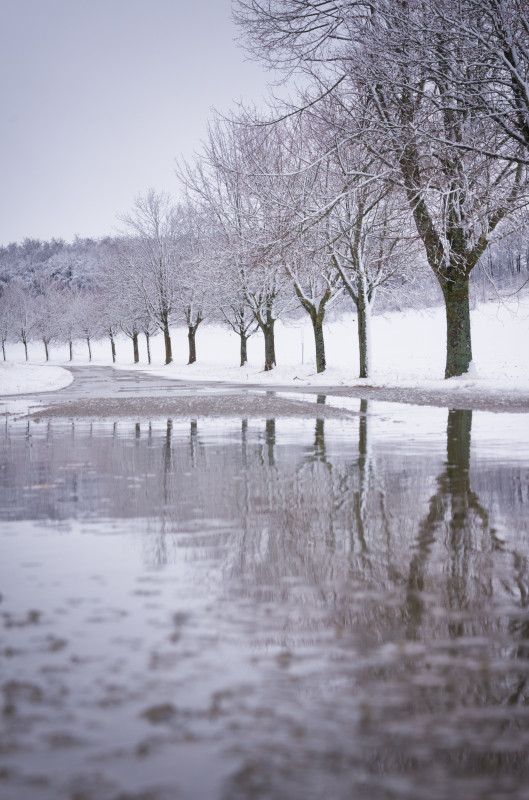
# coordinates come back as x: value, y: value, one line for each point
x: 404, y: 154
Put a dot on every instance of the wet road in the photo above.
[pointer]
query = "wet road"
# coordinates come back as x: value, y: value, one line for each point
x: 103, y: 392
x: 102, y: 383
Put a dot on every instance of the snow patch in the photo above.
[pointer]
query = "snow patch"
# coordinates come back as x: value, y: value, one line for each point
x: 29, y: 378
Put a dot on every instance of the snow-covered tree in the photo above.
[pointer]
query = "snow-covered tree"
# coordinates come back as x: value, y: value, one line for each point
x: 493, y: 37
x: 149, y: 260
x: 89, y: 322
x: 21, y: 303
x: 441, y: 149
x: 193, y: 281
x: 6, y: 322
x: 47, y: 300
x: 219, y: 180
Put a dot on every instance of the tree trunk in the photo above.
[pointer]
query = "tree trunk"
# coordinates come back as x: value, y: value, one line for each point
x: 458, y: 338
x: 167, y: 343
x: 70, y: 343
x: 25, y: 347
x: 4, y: 350
x: 363, y: 307
x: 317, y: 326
x: 135, y: 348
x: 46, y: 349
x: 89, y: 348
x: 148, y: 343
x: 270, y: 351
x: 363, y: 346
x: 112, y: 346
x: 191, y: 332
x: 244, y: 349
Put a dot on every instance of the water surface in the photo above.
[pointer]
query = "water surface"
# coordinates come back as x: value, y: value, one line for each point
x: 265, y: 608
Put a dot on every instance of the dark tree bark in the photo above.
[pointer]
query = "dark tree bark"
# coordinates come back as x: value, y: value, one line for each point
x: 112, y: 346
x: 191, y: 334
x: 266, y: 324
x: 270, y: 351
x: 89, y: 348
x: 363, y: 310
x: 453, y: 258
x: 70, y: 344
x: 4, y: 350
x: 363, y: 302
x: 319, y: 342
x: 458, y: 339
x: 135, y: 347
x: 166, y: 335
x: 244, y: 349
x: 148, y: 343
x: 167, y: 343
x: 45, y: 343
x: 317, y: 316
x: 25, y: 342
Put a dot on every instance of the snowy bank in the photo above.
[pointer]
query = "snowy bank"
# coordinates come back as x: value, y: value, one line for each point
x: 29, y: 379
x: 408, y: 354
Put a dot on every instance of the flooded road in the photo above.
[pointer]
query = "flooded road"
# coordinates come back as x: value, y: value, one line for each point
x: 269, y: 607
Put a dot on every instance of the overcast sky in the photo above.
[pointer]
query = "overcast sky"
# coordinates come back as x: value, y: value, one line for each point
x: 98, y: 98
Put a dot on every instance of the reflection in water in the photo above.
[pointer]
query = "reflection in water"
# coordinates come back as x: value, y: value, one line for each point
x: 457, y: 515
x: 307, y: 610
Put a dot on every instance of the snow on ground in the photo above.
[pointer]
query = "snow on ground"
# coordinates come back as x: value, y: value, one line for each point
x: 29, y: 378
x: 408, y: 351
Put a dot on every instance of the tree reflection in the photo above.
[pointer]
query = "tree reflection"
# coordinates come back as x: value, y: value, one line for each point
x: 336, y: 552
x: 270, y: 441
x: 456, y: 512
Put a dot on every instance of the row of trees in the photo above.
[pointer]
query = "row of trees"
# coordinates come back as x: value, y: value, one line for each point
x: 407, y: 146
x: 405, y: 149
x: 435, y: 93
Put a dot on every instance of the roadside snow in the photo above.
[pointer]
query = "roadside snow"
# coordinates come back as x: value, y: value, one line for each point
x: 28, y: 378
x: 408, y: 353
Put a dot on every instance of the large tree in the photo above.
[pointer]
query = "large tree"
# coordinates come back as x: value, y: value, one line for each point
x: 441, y: 148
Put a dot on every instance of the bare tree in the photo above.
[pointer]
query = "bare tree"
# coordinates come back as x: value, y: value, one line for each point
x: 194, y: 283
x: 108, y: 309
x: 148, y: 328
x: 220, y: 180
x: 68, y: 313
x: 441, y: 149
x: 89, y: 322
x: 47, y: 299
x: 285, y: 171
x: 493, y: 35
x: 149, y: 259
x: 22, y: 312
x: 6, y: 321
x: 366, y: 231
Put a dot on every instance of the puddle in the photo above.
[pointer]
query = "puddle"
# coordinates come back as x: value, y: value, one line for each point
x: 265, y: 608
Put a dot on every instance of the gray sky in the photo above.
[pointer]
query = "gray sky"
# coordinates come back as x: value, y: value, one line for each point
x: 99, y: 97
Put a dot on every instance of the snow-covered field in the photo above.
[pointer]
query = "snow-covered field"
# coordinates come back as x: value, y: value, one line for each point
x: 408, y: 351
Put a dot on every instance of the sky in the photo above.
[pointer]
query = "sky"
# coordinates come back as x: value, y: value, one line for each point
x: 98, y: 99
